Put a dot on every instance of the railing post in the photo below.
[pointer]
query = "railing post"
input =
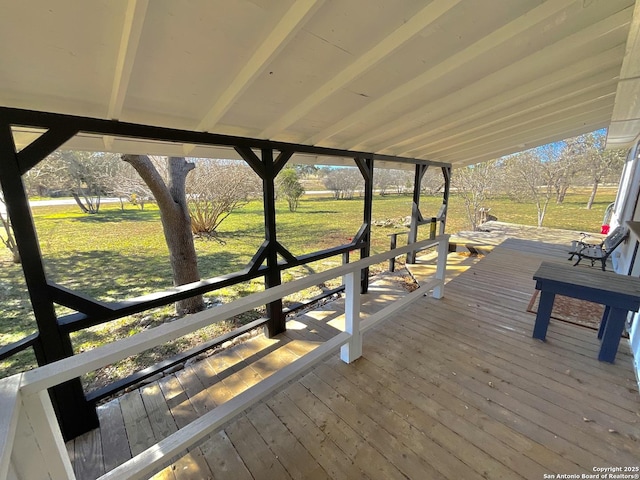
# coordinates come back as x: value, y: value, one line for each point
x: 9, y: 415
x: 352, y: 350
x: 39, y: 450
x: 441, y: 266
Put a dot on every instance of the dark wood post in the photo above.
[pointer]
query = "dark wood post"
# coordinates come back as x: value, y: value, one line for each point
x: 416, y: 216
x: 75, y: 415
x: 277, y: 323
x: 446, y: 173
x: 393, y: 244
x: 366, y: 169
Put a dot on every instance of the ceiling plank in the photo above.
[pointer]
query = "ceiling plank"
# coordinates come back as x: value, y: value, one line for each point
x: 519, y: 139
x: 495, y: 139
x: 570, y: 108
x: 551, y: 102
x: 387, y: 46
x: 442, y: 114
x: 295, y: 18
x: 556, y: 135
x: 496, y: 38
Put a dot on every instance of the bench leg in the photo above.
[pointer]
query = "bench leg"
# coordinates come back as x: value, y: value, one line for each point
x: 574, y: 249
x: 612, y: 334
x: 544, y: 314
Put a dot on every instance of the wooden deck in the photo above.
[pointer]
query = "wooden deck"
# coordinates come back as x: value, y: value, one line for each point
x: 453, y: 388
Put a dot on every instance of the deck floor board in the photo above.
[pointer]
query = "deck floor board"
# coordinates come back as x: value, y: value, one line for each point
x: 494, y: 381
x: 450, y: 388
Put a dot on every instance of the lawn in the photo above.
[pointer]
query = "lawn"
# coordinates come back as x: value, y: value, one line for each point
x: 118, y: 254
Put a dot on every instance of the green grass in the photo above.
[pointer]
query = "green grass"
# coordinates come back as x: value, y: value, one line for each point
x: 117, y: 254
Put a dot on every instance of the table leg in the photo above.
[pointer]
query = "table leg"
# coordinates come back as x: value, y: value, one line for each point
x: 612, y: 334
x: 603, y: 322
x: 544, y: 314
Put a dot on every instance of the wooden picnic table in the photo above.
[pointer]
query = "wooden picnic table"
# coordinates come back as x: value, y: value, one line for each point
x: 619, y: 293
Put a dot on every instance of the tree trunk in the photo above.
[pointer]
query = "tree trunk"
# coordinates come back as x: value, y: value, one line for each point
x: 176, y: 222
x: 561, y: 193
x: 79, y: 202
x: 592, y: 197
x: 90, y: 205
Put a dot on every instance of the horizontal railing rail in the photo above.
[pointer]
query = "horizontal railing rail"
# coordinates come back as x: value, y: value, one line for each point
x: 30, y: 439
x: 16, y: 347
x: 114, y: 310
x: 137, y: 377
x: 114, y: 387
x: 102, y: 312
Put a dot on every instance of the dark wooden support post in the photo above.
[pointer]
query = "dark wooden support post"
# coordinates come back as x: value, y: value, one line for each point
x: 276, y: 323
x: 75, y: 415
x: 416, y: 216
x: 446, y: 173
x: 393, y: 243
x: 366, y: 169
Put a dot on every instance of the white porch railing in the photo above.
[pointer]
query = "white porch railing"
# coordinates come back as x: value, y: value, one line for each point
x: 30, y: 440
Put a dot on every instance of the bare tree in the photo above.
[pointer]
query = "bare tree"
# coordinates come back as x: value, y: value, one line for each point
x: 599, y: 162
x: 569, y: 160
x: 474, y: 184
x: 217, y: 188
x: 433, y: 181
x: 393, y: 180
x: 384, y: 179
x: 343, y: 182
x: 86, y: 176
x: 532, y: 175
x: 176, y: 223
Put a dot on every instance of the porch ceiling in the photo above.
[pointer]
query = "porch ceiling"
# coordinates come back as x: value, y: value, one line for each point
x: 448, y: 80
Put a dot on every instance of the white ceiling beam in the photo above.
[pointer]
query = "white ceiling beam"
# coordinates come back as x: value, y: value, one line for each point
x: 129, y: 41
x: 496, y: 38
x: 469, y: 104
x: 536, y: 130
x: 553, y: 102
x: 369, y: 59
x: 290, y: 24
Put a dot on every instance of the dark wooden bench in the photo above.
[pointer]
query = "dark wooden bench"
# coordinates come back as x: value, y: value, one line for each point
x: 598, y: 251
x: 618, y: 293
